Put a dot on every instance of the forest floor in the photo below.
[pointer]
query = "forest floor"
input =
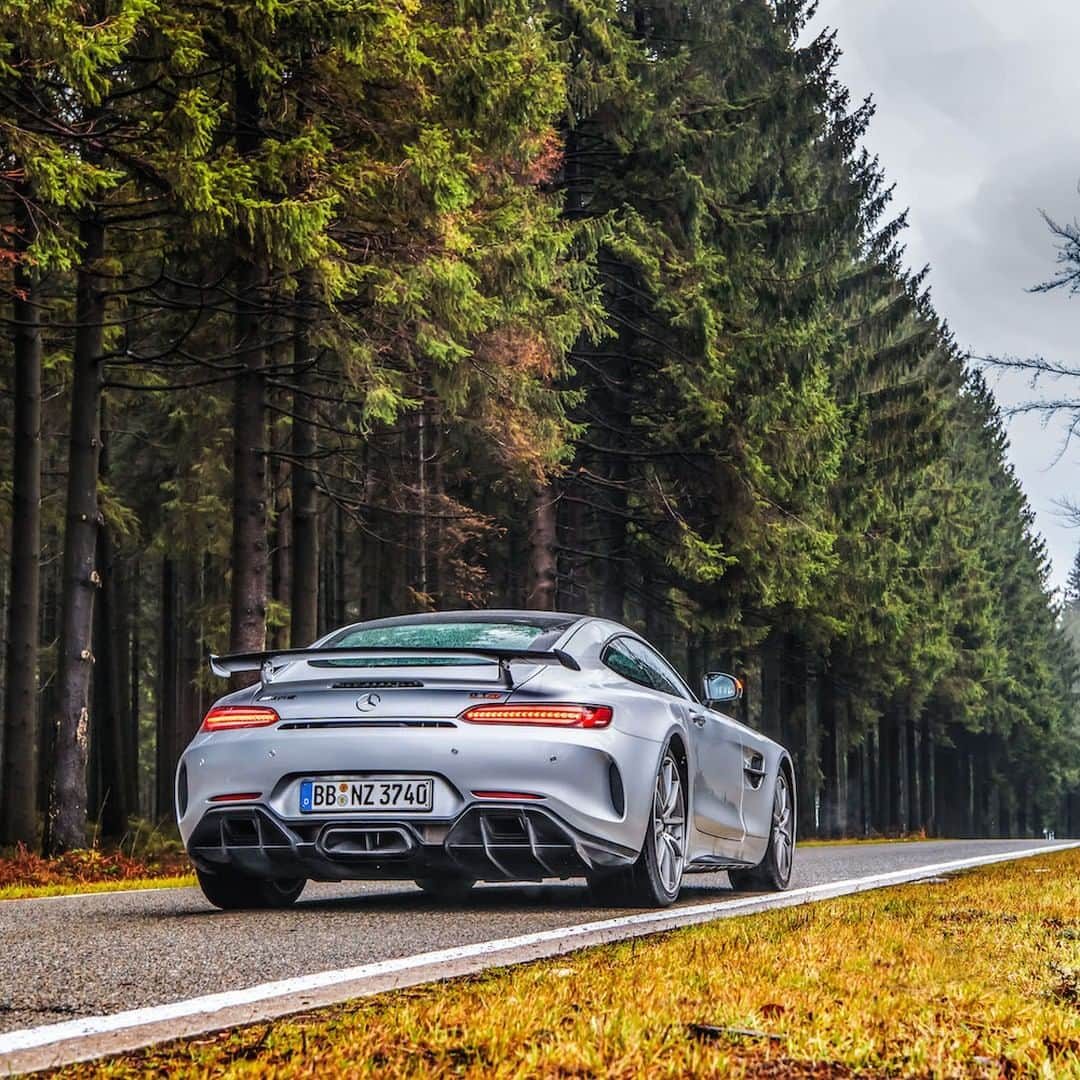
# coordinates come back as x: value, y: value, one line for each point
x: 146, y: 858
x: 972, y: 975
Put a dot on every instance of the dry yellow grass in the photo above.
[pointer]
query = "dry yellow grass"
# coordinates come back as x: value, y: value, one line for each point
x: 907, y: 838
x: 78, y: 888
x: 975, y: 976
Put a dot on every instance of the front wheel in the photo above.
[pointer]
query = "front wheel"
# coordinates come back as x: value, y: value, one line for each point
x: 655, y: 879
x: 773, y: 873
x: 231, y: 891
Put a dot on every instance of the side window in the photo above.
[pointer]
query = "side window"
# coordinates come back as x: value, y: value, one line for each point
x: 635, y: 661
x: 618, y: 657
x: 663, y: 675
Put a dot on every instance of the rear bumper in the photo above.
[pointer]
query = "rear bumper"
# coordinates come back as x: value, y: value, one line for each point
x: 595, y: 785
x: 488, y: 842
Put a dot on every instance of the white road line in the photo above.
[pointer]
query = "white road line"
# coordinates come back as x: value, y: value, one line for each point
x: 288, y: 992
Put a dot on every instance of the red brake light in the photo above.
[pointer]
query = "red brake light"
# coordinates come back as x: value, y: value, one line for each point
x: 558, y: 715
x: 224, y: 717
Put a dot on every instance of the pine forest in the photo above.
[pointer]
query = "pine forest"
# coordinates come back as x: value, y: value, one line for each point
x: 326, y: 310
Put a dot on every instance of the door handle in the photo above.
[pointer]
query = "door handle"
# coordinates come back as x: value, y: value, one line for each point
x: 698, y: 718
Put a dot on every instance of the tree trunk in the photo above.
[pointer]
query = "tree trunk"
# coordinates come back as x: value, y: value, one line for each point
x: 281, y: 566
x: 18, y: 808
x: 110, y: 643
x: 888, y: 786
x: 47, y: 695
x: 866, y: 779
x: 305, y: 507
x: 421, y: 583
x: 189, y: 711
x: 543, y: 569
x: 835, y: 759
x: 902, y: 771
x: 771, y: 685
x: 131, y: 595
x: 928, y: 768
x: 878, y: 777
x: 249, y: 553
x: 443, y: 589
x: 340, y: 556
x: 250, y: 569
x: 973, y: 821
x: 110, y: 681
x: 809, y: 753
x: 168, y: 697
x: 943, y: 781
x: 66, y: 820
x: 614, y: 402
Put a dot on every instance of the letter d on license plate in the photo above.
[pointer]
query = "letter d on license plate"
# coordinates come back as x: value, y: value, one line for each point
x: 376, y: 795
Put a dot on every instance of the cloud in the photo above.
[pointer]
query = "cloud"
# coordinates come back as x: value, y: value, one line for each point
x: 976, y: 114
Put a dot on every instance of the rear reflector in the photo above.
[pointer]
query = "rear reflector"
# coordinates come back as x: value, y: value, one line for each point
x: 239, y: 796
x: 224, y: 717
x: 505, y: 795
x: 558, y: 715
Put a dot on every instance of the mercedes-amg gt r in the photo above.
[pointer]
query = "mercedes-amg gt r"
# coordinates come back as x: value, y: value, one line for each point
x: 457, y: 747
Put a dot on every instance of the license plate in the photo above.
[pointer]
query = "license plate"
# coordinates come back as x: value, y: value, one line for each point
x: 366, y: 796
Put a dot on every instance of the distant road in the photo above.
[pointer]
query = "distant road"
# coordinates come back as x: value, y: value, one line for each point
x: 75, y: 957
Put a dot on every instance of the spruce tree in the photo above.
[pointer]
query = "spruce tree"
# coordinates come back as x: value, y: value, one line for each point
x: 1072, y: 584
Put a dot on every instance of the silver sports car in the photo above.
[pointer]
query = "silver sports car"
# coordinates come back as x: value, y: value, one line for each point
x: 458, y: 747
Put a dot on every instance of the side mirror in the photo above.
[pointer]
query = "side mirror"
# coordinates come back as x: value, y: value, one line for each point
x: 720, y: 689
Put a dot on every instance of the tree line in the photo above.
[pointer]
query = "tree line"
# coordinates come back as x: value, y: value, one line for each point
x: 322, y: 311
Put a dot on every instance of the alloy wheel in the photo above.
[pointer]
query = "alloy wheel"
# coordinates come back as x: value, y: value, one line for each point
x: 782, y: 826
x: 669, y: 824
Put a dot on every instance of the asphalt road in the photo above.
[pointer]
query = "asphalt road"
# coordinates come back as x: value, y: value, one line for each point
x: 76, y: 956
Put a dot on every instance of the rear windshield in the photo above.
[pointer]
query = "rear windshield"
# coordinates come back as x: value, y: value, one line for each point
x: 435, y: 635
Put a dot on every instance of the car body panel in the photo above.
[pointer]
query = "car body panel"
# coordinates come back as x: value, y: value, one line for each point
x: 582, y: 798
x: 717, y: 783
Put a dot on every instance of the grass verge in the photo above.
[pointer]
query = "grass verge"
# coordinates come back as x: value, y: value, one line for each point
x: 906, y: 838
x: 976, y: 975
x: 72, y: 888
x: 25, y: 874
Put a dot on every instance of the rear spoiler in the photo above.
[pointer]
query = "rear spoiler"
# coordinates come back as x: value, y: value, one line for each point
x: 267, y: 663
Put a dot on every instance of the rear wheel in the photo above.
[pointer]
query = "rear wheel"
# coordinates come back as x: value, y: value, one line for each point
x: 773, y: 873
x: 231, y: 891
x: 447, y: 887
x: 655, y: 879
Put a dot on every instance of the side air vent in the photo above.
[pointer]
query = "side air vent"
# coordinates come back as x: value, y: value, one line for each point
x: 618, y: 795
x: 379, y: 684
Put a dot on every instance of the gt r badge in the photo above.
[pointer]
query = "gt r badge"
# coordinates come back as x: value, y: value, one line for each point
x: 367, y: 702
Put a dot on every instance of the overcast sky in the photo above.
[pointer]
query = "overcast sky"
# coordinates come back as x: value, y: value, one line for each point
x: 977, y: 107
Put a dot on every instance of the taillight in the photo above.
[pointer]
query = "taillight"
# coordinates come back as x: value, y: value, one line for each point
x: 584, y: 716
x: 224, y: 717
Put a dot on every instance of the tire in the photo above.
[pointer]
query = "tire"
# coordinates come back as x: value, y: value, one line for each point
x: 231, y: 891
x: 773, y: 873
x: 656, y: 878
x: 447, y: 887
